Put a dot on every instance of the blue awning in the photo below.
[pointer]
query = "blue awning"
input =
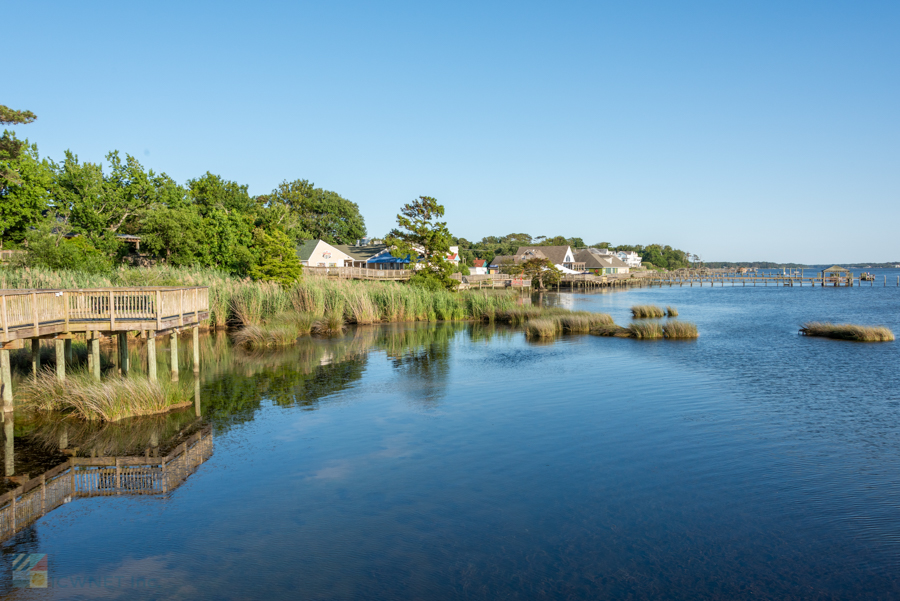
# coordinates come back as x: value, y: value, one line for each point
x: 388, y: 259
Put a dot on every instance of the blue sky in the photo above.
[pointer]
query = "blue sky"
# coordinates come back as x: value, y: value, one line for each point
x: 736, y: 130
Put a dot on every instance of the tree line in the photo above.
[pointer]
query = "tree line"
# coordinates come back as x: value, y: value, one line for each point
x: 76, y: 213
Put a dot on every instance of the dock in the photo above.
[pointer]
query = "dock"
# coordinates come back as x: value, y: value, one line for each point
x: 61, y: 315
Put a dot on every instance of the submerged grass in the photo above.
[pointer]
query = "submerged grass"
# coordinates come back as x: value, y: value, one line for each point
x: 647, y: 311
x: 847, y: 331
x: 111, y: 399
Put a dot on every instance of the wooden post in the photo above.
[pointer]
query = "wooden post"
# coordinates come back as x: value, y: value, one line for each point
x: 60, y: 360
x: 197, y: 395
x: 173, y: 350
x: 34, y: 314
x: 112, y: 312
x: 123, y: 353
x: 9, y: 449
x: 35, y: 357
x: 3, y: 315
x: 158, y: 310
x: 196, y: 344
x: 70, y: 359
x: 6, y: 378
x: 95, y: 354
x: 151, y: 355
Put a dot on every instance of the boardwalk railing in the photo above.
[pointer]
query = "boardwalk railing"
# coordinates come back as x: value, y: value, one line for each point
x: 33, y: 313
x: 101, y: 476
x: 360, y: 273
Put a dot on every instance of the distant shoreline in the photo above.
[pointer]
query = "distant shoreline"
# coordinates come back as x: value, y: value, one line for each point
x: 768, y: 265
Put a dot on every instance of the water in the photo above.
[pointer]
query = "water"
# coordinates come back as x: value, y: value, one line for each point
x: 462, y: 461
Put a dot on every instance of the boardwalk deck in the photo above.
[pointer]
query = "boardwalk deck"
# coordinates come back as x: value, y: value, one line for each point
x: 45, y: 313
x: 101, y: 476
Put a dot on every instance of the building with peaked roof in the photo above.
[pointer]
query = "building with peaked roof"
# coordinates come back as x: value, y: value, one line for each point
x: 479, y: 267
x: 558, y: 255
x: 630, y: 258
x: 600, y: 263
x: 373, y: 256
x: 318, y: 253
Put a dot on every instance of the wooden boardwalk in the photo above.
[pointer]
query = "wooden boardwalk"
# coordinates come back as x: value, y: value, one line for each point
x: 61, y: 315
x: 83, y: 477
x: 360, y: 273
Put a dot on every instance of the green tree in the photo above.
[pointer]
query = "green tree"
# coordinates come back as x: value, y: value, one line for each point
x: 420, y: 232
x: 278, y: 260
x: 317, y: 213
x: 24, y: 192
x: 541, y: 271
x: 178, y: 234
x: 49, y: 248
x: 229, y: 218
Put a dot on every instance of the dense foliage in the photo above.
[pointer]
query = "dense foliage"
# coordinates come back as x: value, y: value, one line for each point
x: 77, y: 215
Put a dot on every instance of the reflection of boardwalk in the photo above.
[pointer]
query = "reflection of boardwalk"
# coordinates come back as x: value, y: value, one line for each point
x: 101, y: 476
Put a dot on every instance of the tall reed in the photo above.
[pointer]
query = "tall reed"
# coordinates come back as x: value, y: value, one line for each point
x: 111, y: 399
x: 680, y: 329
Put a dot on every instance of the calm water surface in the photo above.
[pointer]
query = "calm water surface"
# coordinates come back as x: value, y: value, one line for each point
x: 464, y: 462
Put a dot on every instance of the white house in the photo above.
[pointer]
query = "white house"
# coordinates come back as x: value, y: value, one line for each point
x: 630, y: 258
x: 318, y: 253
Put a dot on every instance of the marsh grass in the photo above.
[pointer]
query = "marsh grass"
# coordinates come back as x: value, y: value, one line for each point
x: 847, y: 331
x: 610, y: 330
x: 647, y: 312
x: 544, y: 327
x: 680, y: 330
x: 330, y: 324
x: 111, y: 399
x: 671, y: 311
x: 645, y: 330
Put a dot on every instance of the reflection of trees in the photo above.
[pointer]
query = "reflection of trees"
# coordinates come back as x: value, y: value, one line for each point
x: 421, y: 356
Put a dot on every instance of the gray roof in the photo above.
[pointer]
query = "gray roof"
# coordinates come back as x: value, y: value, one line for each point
x: 305, y: 249
x: 556, y: 254
x: 594, y: 260
x: 361, y: 253
x: 836, y: 268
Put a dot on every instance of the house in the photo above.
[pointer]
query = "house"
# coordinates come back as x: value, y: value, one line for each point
x: 630, y: 258
x: 479, y: 267
x: 318, y: 253
x: 561, y: 256
x: 453, y: 256
x: 498, y: 262
x: 600, y: 263
x: 373, y: 256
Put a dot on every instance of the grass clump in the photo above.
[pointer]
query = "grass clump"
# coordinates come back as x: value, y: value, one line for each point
x: 610, y: 330
x: 110, y: 400
x: 645, y: 330
x: 847, y: 331
x: 680, y: 329
x: 330, y: 324
x: 581, y: 322
x: 281, y: 330
x: 542, y: 328
x: 647, y: 311
x: 671, y: 311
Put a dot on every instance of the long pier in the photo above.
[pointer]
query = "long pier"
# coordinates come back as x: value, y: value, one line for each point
x: 61, y: 315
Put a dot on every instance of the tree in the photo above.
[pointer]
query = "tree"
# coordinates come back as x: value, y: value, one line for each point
x: 419, y: 231
x: 278, y: 260
x: 10, y: 146
x: 541, y: 271
x: 317, y: 213
x: 24, y: 192
x: 178, y: 234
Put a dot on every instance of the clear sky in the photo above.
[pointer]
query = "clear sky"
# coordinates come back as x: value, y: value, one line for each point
x: 736, y: 130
